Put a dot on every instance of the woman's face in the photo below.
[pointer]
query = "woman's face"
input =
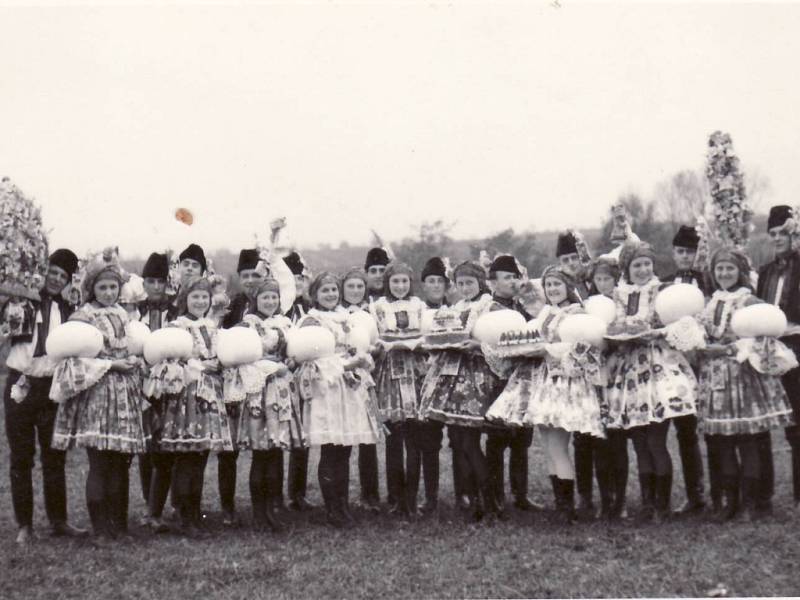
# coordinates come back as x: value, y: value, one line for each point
x: 555, y: 290
x: 726, y: 274
x: 106, y: 291
x: 468, y: 287
x: 268, y: 303
x: 641, y: 270
x: 354, y: 290
x: 399, y: 285
x: 328, y: 296
x: 198, y: 302
x: 604, y: 283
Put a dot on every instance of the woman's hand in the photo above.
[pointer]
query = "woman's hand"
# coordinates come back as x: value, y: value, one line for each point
x: 122, y: 365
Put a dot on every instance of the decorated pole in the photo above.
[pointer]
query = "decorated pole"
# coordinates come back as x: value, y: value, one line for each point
x: 23, y: 244
x: 729, y: 212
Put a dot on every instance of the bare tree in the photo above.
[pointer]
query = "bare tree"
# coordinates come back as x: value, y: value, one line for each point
x: 681, y: 198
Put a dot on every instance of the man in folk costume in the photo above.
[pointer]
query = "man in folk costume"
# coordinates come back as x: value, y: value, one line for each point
x: 684, y: 251
x: 297, y: 483
x: 250, y: 277
x: 155, y: 311
x: 302, y: 276
x: 374, y: 267
x: 28, y: 409
x: 779, y: 284
x: 569, y: 258
x: 505, y: 273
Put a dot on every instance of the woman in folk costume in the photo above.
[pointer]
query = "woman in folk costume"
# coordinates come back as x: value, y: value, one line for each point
x: 399, y: 373
x: 354, y: 299
x: 337, y: 399
x: 270, y: 419
x: 735, y: 401
x: 460, y: 386
x: 560, y: 394
x: 611, y: 453
x: 101, y: 400
x: 649, y: 382
x: 192, y: 411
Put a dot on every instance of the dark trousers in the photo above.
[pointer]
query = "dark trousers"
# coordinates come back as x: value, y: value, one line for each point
x: 368, y: 472
x: 107, y: 490
x: 583, y: 447
x: 397, y: 440
x: 470, y: 458
x: 26, y: 421
x: 691, y: 459
x: 298, y: 473
x: 187, y: 483
x: 226, y: 479
x: 334, y: 474
x: 518, y: 441
x: 162, y: 464
x: 461, y: 484
x: 424, y: 439
x: 266, y: 477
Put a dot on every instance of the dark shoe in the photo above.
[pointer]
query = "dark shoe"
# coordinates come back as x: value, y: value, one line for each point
x: 476, y: 509
x: 586, y: 510
x: 430, y: 506
x: 24, y: 535
x: 647, y: 511
x: 567, y: 495
x: 229, y: 518
x: 371, y: 505
x: 158, y: 525
x: 300, y: 504
x: 525, y: 503
x: 663, y: 496
x: 64, y: 529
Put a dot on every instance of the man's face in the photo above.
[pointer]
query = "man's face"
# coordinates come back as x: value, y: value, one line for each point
x: 434, y: 288
x: 505, y: 284
x: 781, y: 240
x: 250, y: 280
x: 55, y: 280
x: 683, y: 257
x: 154, y: 287
x: 375, y: 277
x: 571, y: 263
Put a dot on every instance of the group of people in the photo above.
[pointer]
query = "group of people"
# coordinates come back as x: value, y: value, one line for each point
x: 174, y: 413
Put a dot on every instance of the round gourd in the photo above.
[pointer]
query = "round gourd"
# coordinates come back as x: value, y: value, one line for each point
x: 170, y: 342
x: 137, y: 334
x: 310, y: 343
x: 363, y: 319
x: 677, y: 301
x: 757, y: 320
x: 74, y: 339
x: 601, y: 306
x: 490, y: 326
x: 585, y: 328
x: 359, y: 338
x: 238, y: 346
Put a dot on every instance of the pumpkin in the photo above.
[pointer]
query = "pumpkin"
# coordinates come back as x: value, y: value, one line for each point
x: 679, y: 300
x: 601, y: 306
x: 137, y: 334
x: 238, y: 346
x: 364, y: 320
x: 757, y: 320
x: 74, y: 339
x: 491, y: 325
x: 585, y: 328
x: 310, y: 343
x: 170, y: 342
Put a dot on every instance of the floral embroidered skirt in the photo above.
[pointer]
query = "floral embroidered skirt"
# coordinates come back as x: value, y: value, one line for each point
x: 271, y: 419
x: 648, y: 383
x: 458, y: 389
x: 195, y: 419
x: 734, y: 398
x: 398, y: 376
x: 107, y: 416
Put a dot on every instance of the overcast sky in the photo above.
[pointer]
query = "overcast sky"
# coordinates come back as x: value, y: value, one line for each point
x: 346, y: 118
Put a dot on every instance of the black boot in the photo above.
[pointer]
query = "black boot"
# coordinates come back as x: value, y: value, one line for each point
x: 298, y: 479
x: 750, y: 492
x: 566, y: 501
x: 663, y: 495
x: 647, y: 482
x: 730, y: 507
x: 274, y: 484
x: 368, y: 477
x: 430, y: 473
x: 99, y: 519
x: 606, y: 495
x: 620, y: 487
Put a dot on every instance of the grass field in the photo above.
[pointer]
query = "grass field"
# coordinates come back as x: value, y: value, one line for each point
x: 383, y: 557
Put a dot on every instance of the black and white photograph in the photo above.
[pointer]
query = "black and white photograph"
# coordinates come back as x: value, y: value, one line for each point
x: 399, y: 299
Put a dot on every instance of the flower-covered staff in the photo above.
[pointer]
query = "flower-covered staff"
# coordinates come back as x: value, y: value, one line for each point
x: 27, y: 405
x: 193, y: 418
x: 505, y: 274
x: 354, y: 299
x: 270, y: 419
x: 155, y: 467
x: 460, y: 386
x: 100, y: 400
x: 649, y: 382
x: 735, y: 401
x: 337, y: 400
x: 684, y: 251
x: 399, y: 372
x: 779, y: 284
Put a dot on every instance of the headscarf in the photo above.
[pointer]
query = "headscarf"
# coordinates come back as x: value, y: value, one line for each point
x: 630, y: 252
x: 737, y: 258
x: 194, y: 284
x: 471, y: 268
x: 354, y: 273
x: 320, y: 280
x: 558, y: 272
x: 268, y: 285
